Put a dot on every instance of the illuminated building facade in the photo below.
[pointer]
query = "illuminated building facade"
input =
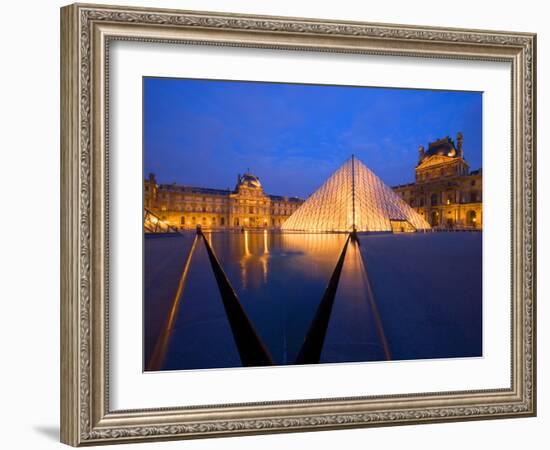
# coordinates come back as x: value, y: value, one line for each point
x: 248, y: 206
x: 354, y: 198
x: 445, y: 192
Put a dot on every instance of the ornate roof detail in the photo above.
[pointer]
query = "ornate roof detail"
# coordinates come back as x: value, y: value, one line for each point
x: 435, y: 160
x: 248, y: 180
x: 444, y: 146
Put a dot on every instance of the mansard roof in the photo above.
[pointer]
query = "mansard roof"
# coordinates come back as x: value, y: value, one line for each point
x: 193, y: 189
x: 445, y: 146
x: 222, y: 192
x: 282, y: 198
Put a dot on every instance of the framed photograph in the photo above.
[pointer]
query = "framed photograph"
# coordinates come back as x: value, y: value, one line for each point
x: 275, y: 224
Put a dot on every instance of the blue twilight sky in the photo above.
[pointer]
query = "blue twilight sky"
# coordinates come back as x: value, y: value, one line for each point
x: 293, y: 136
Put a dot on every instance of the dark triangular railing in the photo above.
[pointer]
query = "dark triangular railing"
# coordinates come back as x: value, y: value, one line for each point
x: 310, y: 353
x: 252, y: 350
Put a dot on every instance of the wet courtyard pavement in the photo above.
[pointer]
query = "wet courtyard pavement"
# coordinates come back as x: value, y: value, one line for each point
x: 399, y: 296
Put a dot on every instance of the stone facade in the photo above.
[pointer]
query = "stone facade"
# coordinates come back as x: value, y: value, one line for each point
x: 445, y: 192
x: 247, y: 206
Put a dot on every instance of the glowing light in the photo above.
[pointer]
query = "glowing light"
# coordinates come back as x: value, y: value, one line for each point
x: 263, y: 262
x: 246, y: 248
x: 353, y: 195
x: 266, y: 248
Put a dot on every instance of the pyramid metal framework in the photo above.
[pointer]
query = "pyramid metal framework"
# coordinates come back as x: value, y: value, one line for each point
x: 353, y: 197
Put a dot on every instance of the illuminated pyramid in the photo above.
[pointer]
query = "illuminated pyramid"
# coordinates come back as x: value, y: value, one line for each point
x: 354, y: 197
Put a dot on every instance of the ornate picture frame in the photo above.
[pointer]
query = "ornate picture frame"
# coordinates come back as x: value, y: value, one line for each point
x: 87, y: 32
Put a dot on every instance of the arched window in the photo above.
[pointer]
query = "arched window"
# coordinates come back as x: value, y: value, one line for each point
x: 434, y: 199
x: 182, y: 222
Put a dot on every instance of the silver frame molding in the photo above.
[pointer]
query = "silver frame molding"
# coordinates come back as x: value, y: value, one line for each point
x: 86, y: 31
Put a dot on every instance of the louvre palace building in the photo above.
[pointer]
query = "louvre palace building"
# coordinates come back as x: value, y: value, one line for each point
x: 186, y: 207
x: 445, y: 192
x: 446, y: 195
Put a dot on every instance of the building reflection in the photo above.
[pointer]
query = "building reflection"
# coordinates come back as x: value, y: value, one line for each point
x: 256, y: 253
x: 280, y: 279
x: 264, y: 257
x: 320, y: 244
x: 254, y: 258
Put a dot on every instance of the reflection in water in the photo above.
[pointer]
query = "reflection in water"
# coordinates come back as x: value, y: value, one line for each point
x: 254, y: 257
x: 264, y: 257
x: 243, y: 261
x: 420, y: 309
x: 280, y: 279
x: 250, y: 259
x: 246, y: 248
x: 355, y: 331
x: 255, y: 251
x: 266, y: 247
x: 320, y: 244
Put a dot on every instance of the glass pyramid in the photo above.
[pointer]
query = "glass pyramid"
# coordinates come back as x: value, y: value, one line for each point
x: 354, y: 197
